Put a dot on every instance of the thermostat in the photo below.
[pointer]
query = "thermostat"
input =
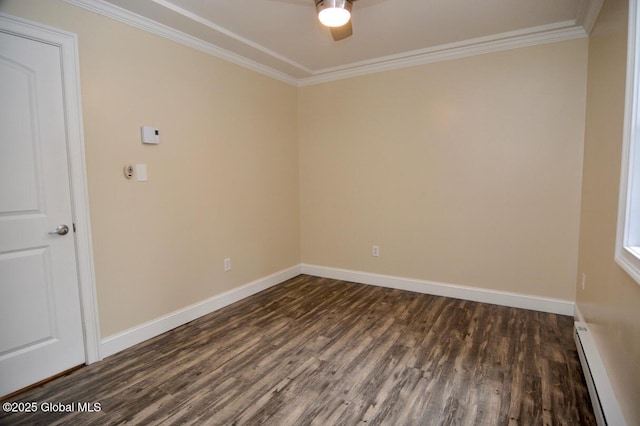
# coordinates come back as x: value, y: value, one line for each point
x: 150, y: 135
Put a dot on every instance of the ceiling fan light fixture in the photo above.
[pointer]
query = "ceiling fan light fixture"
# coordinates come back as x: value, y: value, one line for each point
x: 334, y: 13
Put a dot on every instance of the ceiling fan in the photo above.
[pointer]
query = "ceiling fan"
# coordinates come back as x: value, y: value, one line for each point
x: 336, y: 14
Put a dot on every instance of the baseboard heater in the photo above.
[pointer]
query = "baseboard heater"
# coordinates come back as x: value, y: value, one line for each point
x: 604, y: 402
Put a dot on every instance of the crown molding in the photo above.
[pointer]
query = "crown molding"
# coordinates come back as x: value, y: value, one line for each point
x: 560, y: 31
x: 588, y: 14
x: 222, y: 30
x: 133, y: 19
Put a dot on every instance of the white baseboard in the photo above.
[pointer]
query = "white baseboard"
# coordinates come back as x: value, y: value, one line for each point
x: 128, y: 338
x: 516, y: 300
x: 118, y: 342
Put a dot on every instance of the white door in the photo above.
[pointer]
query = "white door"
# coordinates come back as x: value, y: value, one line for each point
x: 40, y: 320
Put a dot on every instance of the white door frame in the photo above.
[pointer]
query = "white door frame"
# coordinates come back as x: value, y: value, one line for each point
x: 69, y: 57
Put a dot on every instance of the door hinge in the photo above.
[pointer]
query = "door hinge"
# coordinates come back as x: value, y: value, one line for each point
x: 74, y: 227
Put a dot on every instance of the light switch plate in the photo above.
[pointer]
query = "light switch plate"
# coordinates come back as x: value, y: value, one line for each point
x: 141, y: 172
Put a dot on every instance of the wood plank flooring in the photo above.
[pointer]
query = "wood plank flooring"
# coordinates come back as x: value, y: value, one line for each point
x: 315, y: 351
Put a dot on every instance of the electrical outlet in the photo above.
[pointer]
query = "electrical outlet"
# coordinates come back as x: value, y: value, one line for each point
x: 584, y: 280
x: 227, y: 264
x: 375, y: 251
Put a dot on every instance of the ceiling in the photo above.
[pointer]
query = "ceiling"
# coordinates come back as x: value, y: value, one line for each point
x: 283, y: 38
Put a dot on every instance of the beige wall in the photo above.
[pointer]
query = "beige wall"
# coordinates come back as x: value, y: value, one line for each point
x: 464, y: 172
x: 610, y: 302
x: 222, y: 183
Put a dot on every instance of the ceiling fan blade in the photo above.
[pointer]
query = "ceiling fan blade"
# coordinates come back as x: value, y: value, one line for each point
x: 340, y: 33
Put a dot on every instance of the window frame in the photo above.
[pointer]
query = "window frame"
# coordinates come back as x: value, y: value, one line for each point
x: 627, y: 253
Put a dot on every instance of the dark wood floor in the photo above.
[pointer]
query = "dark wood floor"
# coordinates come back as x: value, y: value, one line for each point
x: 325, y: 352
